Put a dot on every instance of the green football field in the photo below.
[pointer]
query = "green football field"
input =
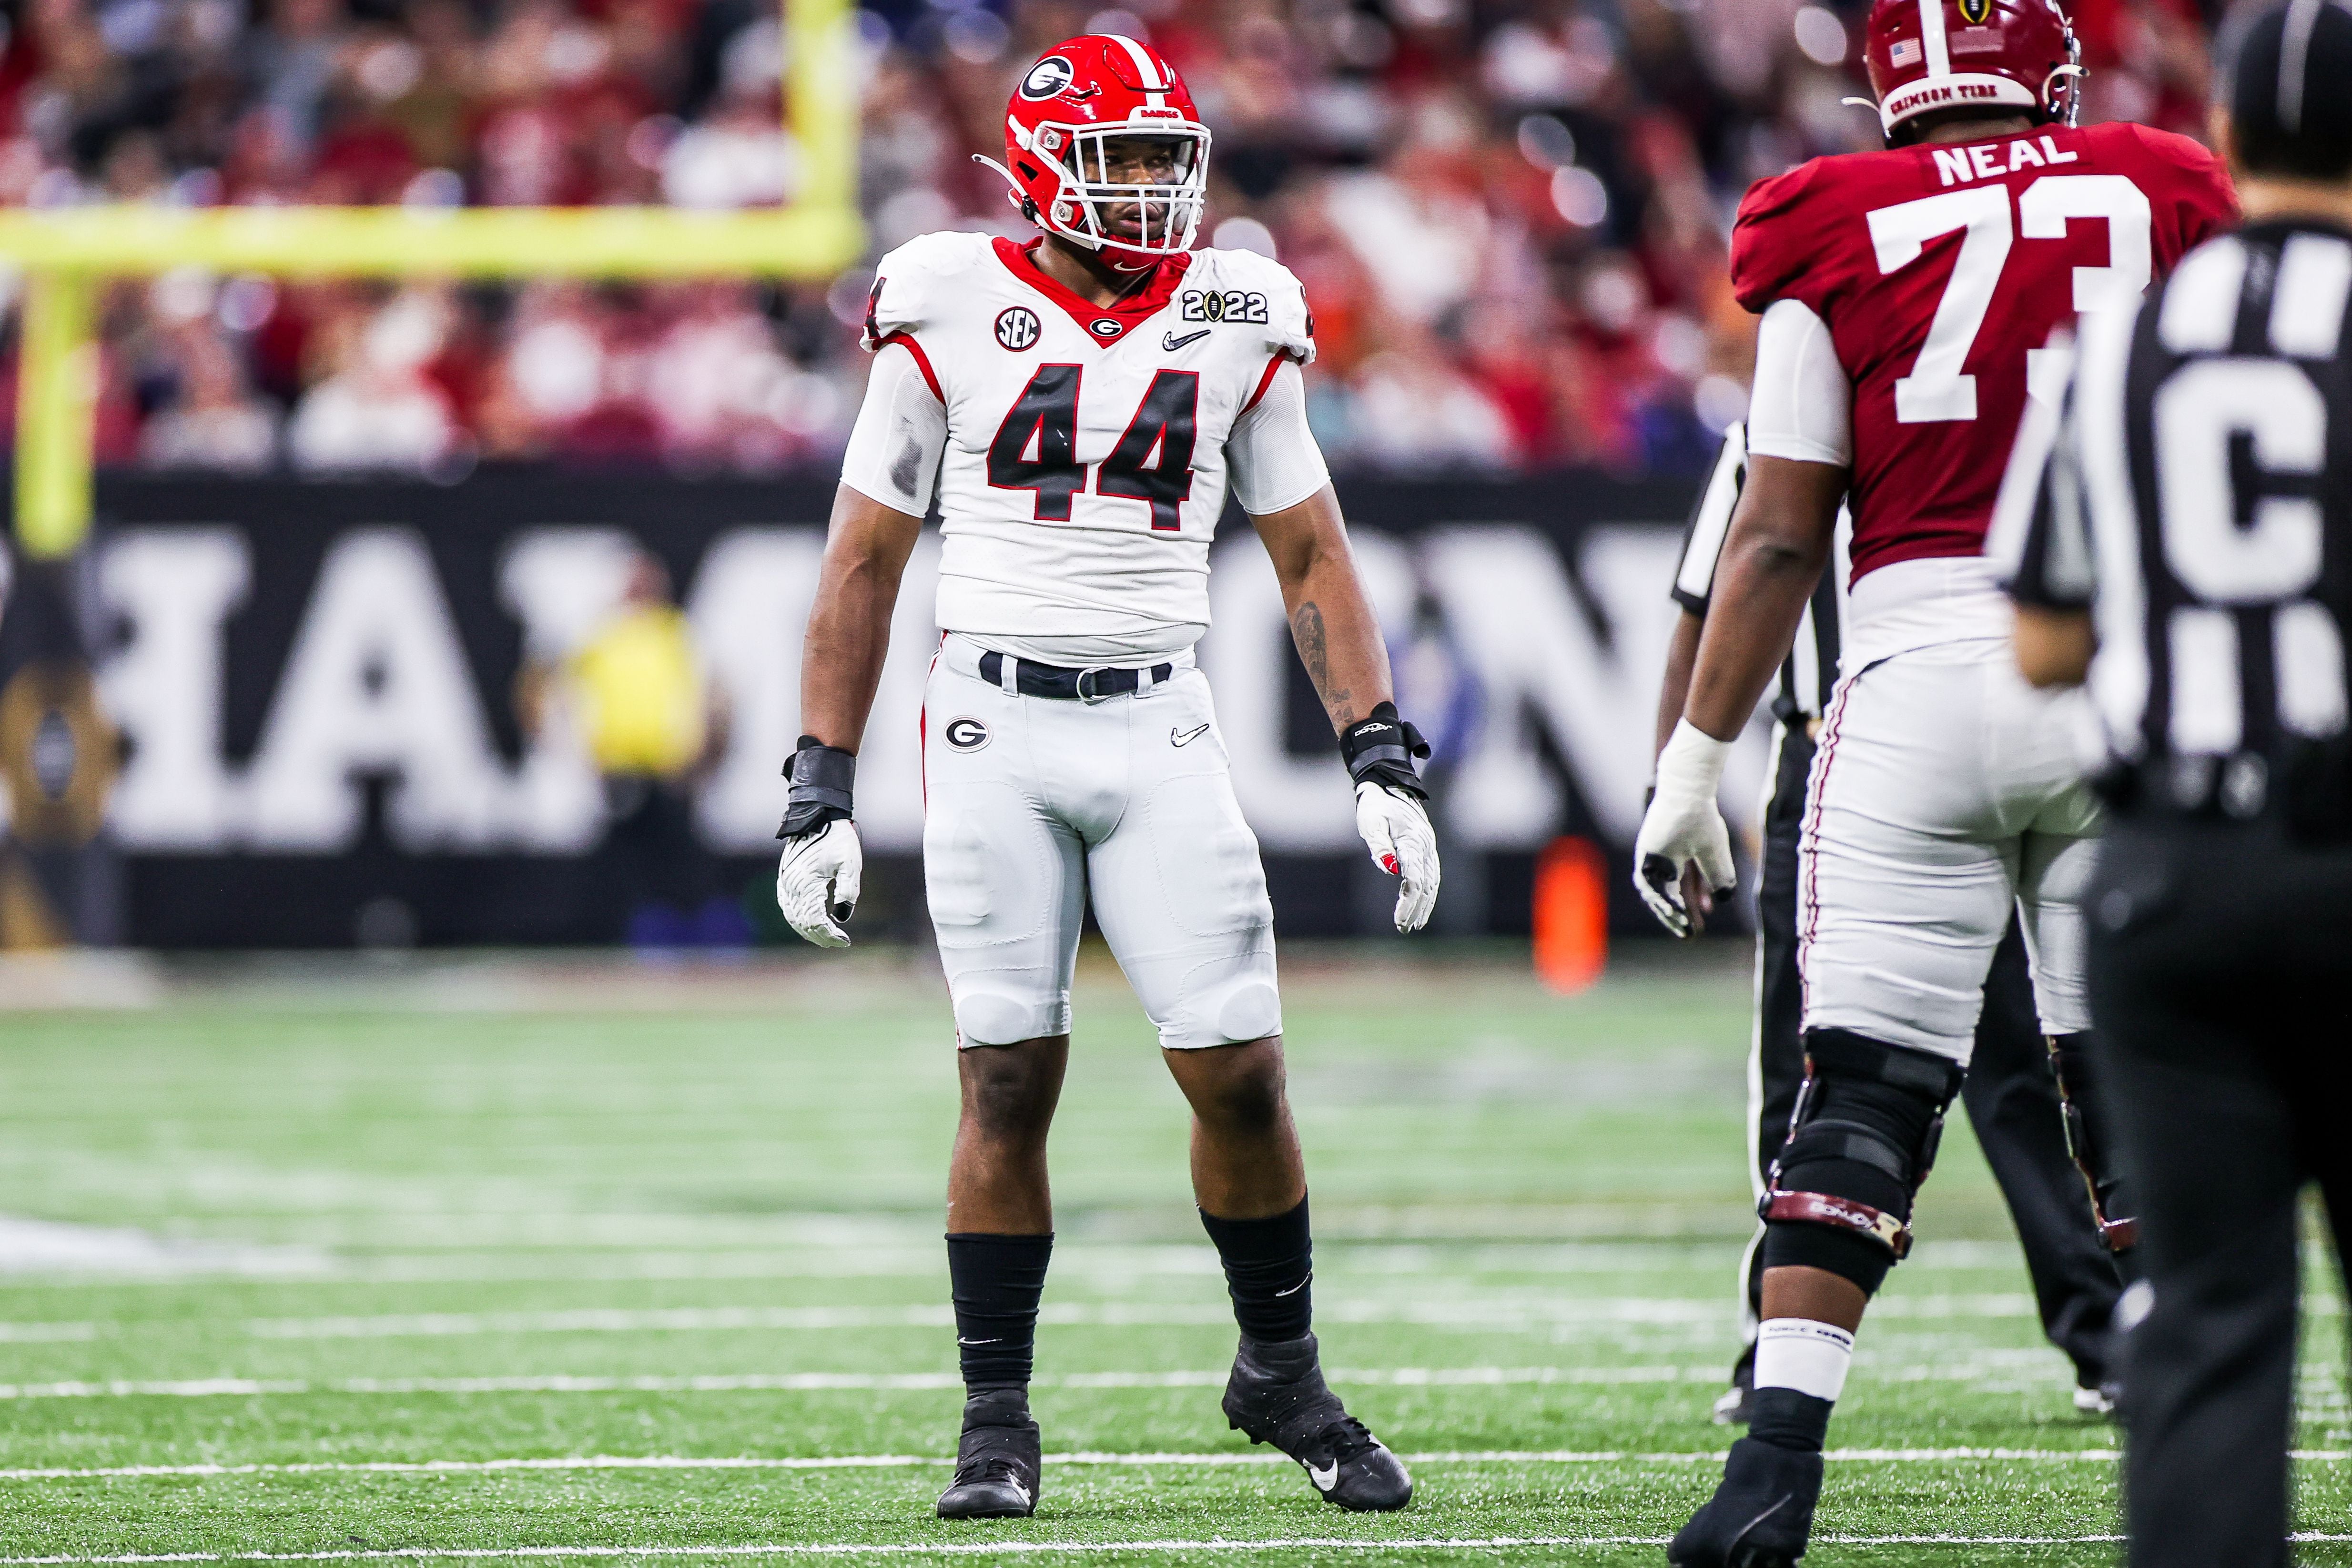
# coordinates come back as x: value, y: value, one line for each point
x: 509, y: 1260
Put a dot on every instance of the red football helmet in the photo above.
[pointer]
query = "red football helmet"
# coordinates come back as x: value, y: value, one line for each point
x: 1925, y: 56
x: 1081, y: 96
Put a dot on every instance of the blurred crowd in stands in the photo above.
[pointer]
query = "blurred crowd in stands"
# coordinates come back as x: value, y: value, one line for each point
x: 1509, y: 214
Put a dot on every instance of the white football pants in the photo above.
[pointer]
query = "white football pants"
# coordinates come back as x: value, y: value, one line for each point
x: 1944, y: 789
x: 1033, y: 804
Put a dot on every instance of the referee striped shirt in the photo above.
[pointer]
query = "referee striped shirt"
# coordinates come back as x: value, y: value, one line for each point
x: 1809, y: 672
x: 2194, y: 494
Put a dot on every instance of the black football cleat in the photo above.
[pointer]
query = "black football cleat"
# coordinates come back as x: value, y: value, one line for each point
x: 1761, y: 1516
x: 997, y: 1463
x: 1276, y: 1394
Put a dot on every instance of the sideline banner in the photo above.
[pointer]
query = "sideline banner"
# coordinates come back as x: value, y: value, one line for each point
x: 332, y: 698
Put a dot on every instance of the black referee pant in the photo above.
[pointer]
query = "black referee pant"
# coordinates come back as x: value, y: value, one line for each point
x: 2011, y: 1095
x: 2220, y: 954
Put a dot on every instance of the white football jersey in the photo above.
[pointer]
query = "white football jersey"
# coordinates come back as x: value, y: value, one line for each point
x: 1086, y: 452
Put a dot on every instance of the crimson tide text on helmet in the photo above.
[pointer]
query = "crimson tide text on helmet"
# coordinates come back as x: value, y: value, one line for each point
x: 1080, y: 97
x: 1928, y: 55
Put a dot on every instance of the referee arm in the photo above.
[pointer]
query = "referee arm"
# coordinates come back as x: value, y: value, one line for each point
x: 2040, y: 548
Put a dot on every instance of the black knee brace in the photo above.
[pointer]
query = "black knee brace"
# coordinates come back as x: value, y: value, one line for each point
x: 1862, y: 1139
x: 2077, y: 1095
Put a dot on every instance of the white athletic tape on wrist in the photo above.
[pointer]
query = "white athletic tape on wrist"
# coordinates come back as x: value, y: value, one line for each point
x: 1692, y: 763
x: 1799, y: 1353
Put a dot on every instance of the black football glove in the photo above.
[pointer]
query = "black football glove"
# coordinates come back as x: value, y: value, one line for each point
x: 823, y: 866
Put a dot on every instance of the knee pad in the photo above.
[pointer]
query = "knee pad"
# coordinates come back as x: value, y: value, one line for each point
x: 991, y: 1015
x: 1228, y: 999
x: 1862, y: 1139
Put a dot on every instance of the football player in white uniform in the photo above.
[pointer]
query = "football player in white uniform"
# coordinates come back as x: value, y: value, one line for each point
x: 1080, y: 406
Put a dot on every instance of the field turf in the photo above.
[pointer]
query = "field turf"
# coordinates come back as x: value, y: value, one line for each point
x: 517, y: 1261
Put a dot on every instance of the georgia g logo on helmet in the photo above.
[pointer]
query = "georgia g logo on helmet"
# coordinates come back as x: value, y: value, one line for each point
x: 1046, y: 78
x: 1091, y: 115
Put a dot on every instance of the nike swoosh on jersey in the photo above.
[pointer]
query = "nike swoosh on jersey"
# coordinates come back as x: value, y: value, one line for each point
x: 1325, y: 1477
x: 1171, y: 342
x: 1185, y: 736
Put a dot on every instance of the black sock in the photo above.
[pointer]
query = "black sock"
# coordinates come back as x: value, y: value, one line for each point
x: 1269, y: 1271
x: 997, y: 1281
x: 1787, y: 1418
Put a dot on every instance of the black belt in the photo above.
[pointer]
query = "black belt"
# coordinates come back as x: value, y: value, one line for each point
x: 1036, y: 680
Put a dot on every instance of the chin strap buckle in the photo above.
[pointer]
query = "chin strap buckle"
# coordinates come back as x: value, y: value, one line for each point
x: 1844, y: 1213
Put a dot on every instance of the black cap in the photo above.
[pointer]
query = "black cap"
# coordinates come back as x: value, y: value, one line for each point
x: 2289, y: 89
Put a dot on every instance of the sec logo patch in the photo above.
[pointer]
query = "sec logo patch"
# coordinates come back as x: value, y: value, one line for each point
x: 1018, y: 328
x: 964, y: 733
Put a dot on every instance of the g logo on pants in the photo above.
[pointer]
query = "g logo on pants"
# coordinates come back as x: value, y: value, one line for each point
x: 965, y: 734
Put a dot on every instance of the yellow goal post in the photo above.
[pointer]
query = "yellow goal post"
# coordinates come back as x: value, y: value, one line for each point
x: 66, y: 254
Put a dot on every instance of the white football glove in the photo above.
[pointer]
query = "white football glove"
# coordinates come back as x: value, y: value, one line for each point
x: 817, y: 882
x: 1396, y: 829
x: 1683, y: 827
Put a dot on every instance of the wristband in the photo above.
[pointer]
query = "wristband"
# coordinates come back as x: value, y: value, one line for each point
x: 823, y: 777
x: 1381, y: 749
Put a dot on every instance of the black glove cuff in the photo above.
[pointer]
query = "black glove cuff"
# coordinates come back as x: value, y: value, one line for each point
x: 1382, y: 749
x: 823, y: 778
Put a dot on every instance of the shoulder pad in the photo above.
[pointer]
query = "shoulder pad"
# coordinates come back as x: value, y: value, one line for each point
x: 2190, y: 188
x: 1775, y: 240
x: 911, y: 280
x: 1290, y: 324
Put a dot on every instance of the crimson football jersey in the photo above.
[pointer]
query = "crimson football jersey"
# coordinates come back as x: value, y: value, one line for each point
x: 1941, y: 273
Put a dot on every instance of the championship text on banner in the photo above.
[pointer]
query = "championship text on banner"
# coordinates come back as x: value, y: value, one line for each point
x: 329, y: 693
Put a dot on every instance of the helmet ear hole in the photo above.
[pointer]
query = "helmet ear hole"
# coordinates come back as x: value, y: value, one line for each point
x: 1028, y: 170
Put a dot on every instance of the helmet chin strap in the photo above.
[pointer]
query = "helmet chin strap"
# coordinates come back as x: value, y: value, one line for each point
x: 2070, y: 79
x: 1119, y: 258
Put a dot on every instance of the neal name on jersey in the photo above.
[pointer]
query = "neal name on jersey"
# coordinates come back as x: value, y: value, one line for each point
x: 1089, y: 449
x: 1940, y: 272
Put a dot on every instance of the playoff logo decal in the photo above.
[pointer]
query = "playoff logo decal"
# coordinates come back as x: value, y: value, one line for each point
x: 1046, y: 78
x: 1018, y: 328
x: 964, y: 733
x: 1223, y: 305
x: 1977, y: 11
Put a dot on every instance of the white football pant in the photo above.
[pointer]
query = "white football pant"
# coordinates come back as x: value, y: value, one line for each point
x: 1033, y: 804
x: 1944, y: 790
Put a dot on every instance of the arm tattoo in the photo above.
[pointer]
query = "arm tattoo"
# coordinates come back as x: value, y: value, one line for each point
x: 1307, y: 631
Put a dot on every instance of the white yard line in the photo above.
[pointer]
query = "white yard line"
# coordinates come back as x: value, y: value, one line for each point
x: 808, y: 1382
x: 1181, y: 1460
x: 1507, y: 1314
x: 1336, y: 1261
x: 1032, y: 1548
x: 1989, y: 1363
x: 1368, y: 1545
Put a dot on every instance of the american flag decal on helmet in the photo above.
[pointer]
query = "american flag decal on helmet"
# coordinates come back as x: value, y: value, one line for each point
x: 1905, y: 52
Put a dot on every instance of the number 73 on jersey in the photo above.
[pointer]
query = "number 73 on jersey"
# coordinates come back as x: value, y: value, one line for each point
x: 1939, y: 388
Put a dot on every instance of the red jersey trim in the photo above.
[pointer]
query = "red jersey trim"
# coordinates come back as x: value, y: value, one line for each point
x: 1266, y: 380
x: 922, y: 359
x: 1142, y: 305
